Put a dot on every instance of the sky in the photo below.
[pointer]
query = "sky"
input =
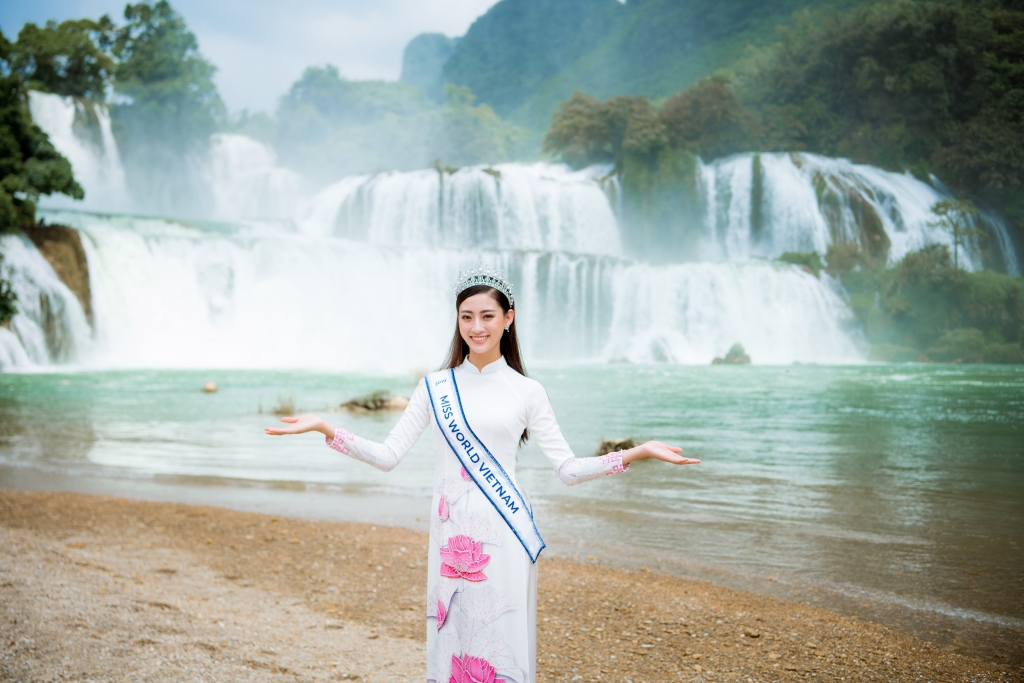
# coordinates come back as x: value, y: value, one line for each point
x: 260, y: 48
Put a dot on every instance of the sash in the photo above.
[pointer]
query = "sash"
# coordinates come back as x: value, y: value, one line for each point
x: 485, y: 470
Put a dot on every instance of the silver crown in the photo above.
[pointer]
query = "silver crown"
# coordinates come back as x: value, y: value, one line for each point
x: 482, y: 274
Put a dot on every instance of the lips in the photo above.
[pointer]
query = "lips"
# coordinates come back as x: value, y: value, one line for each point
x: 480, y: 340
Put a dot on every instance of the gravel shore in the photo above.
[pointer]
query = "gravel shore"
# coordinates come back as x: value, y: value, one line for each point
x: 105, y: 589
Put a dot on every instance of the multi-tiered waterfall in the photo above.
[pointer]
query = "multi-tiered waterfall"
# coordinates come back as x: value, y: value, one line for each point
x: 359, y: 274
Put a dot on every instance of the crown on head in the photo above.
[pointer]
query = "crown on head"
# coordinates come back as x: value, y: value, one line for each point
x: 482, y: 274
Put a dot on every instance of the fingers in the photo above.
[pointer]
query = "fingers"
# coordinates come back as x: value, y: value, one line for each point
x: 289, y: 419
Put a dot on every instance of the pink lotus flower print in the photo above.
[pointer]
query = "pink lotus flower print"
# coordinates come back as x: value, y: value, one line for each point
x: 441, y: 614
x: 462, y: 559
x: 471, y: 670
x: 442, y: 509
x: 464, y: 474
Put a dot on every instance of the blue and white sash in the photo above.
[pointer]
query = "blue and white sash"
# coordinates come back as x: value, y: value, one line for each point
x: 485, y: 470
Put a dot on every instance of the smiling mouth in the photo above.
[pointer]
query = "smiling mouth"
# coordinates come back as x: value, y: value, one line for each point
x: 480, y: 340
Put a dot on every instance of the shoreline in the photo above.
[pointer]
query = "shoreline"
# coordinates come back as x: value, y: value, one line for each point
x: 101, y: 587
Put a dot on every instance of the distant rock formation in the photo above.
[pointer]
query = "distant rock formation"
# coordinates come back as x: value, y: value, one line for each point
x: 736, y: 356
x: 423, y: 61
x: 613, y: 445
x: 378, y: 400
x: 62, y: 247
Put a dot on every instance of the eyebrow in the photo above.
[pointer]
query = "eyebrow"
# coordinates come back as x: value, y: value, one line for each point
x: 486, y: 310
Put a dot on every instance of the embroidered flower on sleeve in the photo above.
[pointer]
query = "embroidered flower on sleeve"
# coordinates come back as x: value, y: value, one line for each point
x: 471, y: 670
x: 462, y: 559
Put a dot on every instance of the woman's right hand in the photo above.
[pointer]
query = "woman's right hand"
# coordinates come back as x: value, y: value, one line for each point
x: 300, y: 424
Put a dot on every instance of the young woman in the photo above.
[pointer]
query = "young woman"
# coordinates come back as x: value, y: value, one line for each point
x: 482, y: 576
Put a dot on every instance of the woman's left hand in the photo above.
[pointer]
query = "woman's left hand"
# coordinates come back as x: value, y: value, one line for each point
x: 659, y: 451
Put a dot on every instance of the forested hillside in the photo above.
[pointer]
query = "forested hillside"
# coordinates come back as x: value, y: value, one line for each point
x: 523, y: 57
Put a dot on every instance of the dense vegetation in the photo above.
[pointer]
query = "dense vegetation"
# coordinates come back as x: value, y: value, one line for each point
x: 934, y: 87
x: 170, y: 105
x: 523, y: 57
x: 926, y: 309
x: 29, y: 165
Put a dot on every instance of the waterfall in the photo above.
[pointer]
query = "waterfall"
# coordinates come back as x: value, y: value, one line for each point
x: 538, y: 207
x: 50, y: 326
x: 768, y: 204
x: 80, y: 130
x: 247, y: 183
x: 358, y: 276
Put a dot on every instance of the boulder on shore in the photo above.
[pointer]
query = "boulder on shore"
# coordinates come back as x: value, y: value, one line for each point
x: 613, y: 445
x: 736, y: 356
x: 376, y: 401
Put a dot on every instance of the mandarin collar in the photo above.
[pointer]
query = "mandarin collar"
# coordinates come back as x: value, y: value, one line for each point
x: 489, y: 368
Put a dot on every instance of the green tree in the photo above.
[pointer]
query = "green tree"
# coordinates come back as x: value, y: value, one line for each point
x: 29, y: 163
x: 960, y: 218
x: 171, y: 104
x: 67, y: 59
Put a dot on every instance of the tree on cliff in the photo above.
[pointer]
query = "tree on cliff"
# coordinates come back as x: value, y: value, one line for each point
x: 29, y: 163
x: 172, y: 105
x: 68, y: 59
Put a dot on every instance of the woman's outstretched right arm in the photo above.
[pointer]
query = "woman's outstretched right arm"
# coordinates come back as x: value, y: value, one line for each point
x: 384, y: 456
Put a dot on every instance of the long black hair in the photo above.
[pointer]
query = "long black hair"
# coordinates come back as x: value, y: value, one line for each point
x: 509, y: 344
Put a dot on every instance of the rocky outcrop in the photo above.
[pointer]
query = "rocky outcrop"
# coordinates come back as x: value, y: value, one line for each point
x: 736, y: 356
x: 613, y: 445
x: 377, y: 401
x: 62, y: 247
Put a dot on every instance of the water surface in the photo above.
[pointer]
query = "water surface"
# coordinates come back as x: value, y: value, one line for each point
x: 891, y: 492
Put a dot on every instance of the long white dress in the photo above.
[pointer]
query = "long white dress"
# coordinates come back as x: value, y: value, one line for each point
x: 481, y: 585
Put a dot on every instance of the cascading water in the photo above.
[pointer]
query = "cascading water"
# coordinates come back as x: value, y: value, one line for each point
x: 246, y: 182
x: 768, y: 204
x: 360, y: 277
x: 80, y: 130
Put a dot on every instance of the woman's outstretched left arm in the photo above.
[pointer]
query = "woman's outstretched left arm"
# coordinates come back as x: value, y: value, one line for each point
x: 384, y: 456
x: 572, y: 470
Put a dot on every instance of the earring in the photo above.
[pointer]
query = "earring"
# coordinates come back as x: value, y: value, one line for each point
x: 506, y: 329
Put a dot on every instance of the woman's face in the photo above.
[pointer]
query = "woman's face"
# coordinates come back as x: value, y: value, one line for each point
x: 481, y: 322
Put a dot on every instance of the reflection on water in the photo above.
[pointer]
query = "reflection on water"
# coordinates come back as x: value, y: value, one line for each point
x: 890, y: 492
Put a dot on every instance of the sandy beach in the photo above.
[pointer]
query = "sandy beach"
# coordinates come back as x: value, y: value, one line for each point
x: 106, y: 589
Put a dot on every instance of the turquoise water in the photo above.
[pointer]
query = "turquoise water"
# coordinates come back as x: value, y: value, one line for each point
x: 892, y: 492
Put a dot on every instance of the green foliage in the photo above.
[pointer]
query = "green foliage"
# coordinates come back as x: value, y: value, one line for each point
x: 927, y: 305
x: 423, y: 61
x: 169, y: 85
x: 67, y: 59
x: 811, y: 261
x: 515, y: 47
x: 959, y: 218
x: 934, y: 87
x: 328, y: 126
x: 169, y: 108
x: 29, y: 164
x: 524, y: 58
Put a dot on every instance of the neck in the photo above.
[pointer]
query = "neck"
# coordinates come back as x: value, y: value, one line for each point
x: 482, y: 360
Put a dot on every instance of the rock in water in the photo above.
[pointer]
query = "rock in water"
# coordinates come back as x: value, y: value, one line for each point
x: 613, y: 445
x: 736, y: 356
x: 210, y: 387
x: 378, y: 400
